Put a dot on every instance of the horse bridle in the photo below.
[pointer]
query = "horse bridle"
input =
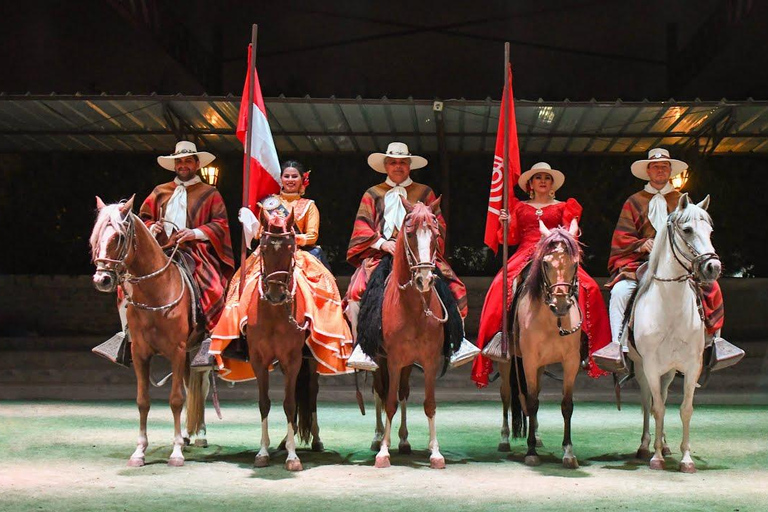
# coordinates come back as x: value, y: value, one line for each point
x: 119, y: 269
x: 691, y: 265
x: 571, y: 296
x: 414, y: 266
x: 287, y: 283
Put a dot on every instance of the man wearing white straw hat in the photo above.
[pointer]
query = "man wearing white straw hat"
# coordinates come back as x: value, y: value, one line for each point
x: 642, y: 215
x: 191, y: 213
x: 377, y: 223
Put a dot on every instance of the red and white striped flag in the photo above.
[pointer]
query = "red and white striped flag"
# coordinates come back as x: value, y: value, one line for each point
x: 265, y: 167
x: 495, y: 200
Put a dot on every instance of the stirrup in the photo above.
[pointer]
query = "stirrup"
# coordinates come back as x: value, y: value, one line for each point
x: 117, y: 349
x: 359, y: 360
x: 203, y: 360
x: 492, y: 350
x: 724, y: 354
x: 610, y: 358
x: 466, y: 353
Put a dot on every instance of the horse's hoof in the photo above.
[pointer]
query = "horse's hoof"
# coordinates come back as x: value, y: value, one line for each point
x: 375, y: 446
x: 504, y: 447
x: 176, y: 462
x: 643, y: 454
x: 293, y: 465
x: 135, y: 462
x: 657, y: 464
x: 261, y: 461
x: 570, y: 463
x: 687, y: 467
x: 666, y: 452
x: 532, y: 460
x: 404, y: 448
x: 317, y: 446
x: 437, y: 462
x: 382, y: 462
x: 201, y: 443
x: 539, y: 444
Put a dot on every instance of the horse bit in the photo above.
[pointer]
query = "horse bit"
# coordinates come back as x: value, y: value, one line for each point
x: 118, y: 266
x: 414, y: 266
x: 287, y: 283
x: 550, y: 297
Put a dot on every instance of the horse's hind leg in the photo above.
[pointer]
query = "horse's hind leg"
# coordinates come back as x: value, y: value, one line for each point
x: 141, y: 369
x: 291, y: 369
x: 404, y: 447
x: 644, y: 451
x: 436, y: 459
x: 393, y: 370
x: 506, y: 400
x: 176, y: 402
x: 532, y: 377
x: 658, y: 407
x: 314, y: 389
x: 686, y: 411
x: 570, y: 369
x: 262, y: 377
x: 666, y: 381
x: 379, y: 394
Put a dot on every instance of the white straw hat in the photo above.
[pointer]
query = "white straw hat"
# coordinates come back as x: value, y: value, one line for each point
x: 395, y: 150
x: 640, y: 167
x: 558, y: 177
x: 185, y: 148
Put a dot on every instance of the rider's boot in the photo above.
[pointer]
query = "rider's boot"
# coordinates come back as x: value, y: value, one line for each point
x: 117, y: 348
x: 466, y: 353
x: 359, y: 360
x: 719, y: 353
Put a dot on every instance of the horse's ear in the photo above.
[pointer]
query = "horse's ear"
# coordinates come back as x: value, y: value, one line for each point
x: 684, y: 201
x: 434, y: 206
x: 573, y: 229
x: 704, y: 204
x: 406, y: 204
x: 127, y: 206
x: 99, y: 203
x: 289, y: 221
x: 544, y: 230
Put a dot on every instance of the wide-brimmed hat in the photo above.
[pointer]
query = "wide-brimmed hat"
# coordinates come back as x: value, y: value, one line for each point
x: 640, y: 167
x: 185, y: 148
x: 395, y: 150
x: 558, y: 177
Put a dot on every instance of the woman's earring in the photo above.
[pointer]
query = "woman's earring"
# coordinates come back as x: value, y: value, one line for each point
x: 552, y: 194
x: 531, y: 194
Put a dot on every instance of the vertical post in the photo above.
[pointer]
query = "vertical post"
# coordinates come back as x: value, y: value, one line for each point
x: 445, y: 175
x: 247, y: 180
x: 505, y: 99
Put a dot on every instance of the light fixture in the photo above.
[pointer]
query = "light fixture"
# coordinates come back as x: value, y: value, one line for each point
x: 210, y: 174
x: 680, y: 180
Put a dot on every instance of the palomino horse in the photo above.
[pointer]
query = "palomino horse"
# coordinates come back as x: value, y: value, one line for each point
x: 547, y: 330
x: 669, y: 330
x: 413, y: 317
x: 159, y: 316
x: 273, y: 334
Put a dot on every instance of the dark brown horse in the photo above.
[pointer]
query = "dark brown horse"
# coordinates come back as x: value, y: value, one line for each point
x: 159, y: 315
x: 274, y: 334
x: 413, y: 317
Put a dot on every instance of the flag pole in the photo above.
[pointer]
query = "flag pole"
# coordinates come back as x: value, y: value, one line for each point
x: 505, y: 206
x: 247, y: 180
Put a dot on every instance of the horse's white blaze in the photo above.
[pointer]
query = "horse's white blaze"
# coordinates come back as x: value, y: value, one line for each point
x: 264, y: 449
x: 290, y: 444
x: 424, y: 243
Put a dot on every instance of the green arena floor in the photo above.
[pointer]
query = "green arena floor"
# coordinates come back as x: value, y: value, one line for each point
x: 71, y: 456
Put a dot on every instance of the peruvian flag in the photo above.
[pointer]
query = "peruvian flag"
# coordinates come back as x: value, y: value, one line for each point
x: 265, y: 167
x: 495, y: 201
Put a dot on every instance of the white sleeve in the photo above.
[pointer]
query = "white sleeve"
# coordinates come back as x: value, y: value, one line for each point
x: 200, y: 234
x: 378, y: 243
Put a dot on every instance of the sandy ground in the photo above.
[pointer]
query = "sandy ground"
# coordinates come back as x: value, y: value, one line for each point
x: 72, y: 456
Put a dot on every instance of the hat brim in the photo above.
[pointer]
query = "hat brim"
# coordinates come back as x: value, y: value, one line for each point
x: 640, y: 168
x: 557, y: 177
x: 376, y: 161
x: 167, y: 162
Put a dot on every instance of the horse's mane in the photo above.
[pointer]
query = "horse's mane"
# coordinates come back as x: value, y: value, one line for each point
x: 690, y: 213
x: 110, y: 215
x: 535, y: 278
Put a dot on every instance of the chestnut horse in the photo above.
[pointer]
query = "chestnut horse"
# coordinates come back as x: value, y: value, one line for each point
x: 547, y: 330
x: 273, y: 334
x: 160, y: 317
x: 413, y: 318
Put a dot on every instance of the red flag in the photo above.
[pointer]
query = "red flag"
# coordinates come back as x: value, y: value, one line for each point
x: 495, y: 200
x: 265, y: 167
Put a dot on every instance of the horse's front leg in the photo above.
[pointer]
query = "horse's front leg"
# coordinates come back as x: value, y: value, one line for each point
x: 379, y: 392
x: 686, y: 412
x: 644, y: 451
x: 314, y: 389
x: 666, y: 381
x: 291, y: 367
x: 404, y: 447
x: 394, y: 369
x: 570, y: 369
x: 532, y: 378
x: 176, y: 401
x: 658, y: 407
x: 506, y: 400
x: 436, y: 459
x: 262, y: 376
x: 141, y: 369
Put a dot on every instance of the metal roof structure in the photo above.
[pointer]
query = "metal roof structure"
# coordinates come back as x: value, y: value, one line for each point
x: 153, y: 123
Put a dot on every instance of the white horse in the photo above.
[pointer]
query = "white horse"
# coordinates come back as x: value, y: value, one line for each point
x: 669, y: 328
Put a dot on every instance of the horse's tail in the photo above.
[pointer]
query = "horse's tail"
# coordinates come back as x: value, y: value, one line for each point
x: 519, y: 421
x: 197, y: 390
x: 304, y: 400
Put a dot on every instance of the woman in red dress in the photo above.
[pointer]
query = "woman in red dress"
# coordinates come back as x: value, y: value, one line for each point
x: 540, y: 182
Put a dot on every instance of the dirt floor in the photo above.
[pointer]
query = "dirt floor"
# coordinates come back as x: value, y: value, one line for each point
x: 62, y: 456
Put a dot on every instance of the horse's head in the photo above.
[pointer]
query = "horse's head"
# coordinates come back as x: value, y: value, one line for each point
x: 421, y: 232
x: 111, y: 242
x: 555, y: 266
x: 277, y: 247
x: 691, y: 224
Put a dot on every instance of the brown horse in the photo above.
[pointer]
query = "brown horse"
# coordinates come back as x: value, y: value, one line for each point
x: 547, y: 330
x: 159, y: 317
x: 412, y: 323
x: 273, y: 334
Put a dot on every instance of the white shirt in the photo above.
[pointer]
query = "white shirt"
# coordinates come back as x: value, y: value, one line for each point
x: 394, y: 211
x: 176, y: 209
x: 657, y: 209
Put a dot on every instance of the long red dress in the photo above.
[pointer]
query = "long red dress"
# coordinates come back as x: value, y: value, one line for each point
x: 524, y: 232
